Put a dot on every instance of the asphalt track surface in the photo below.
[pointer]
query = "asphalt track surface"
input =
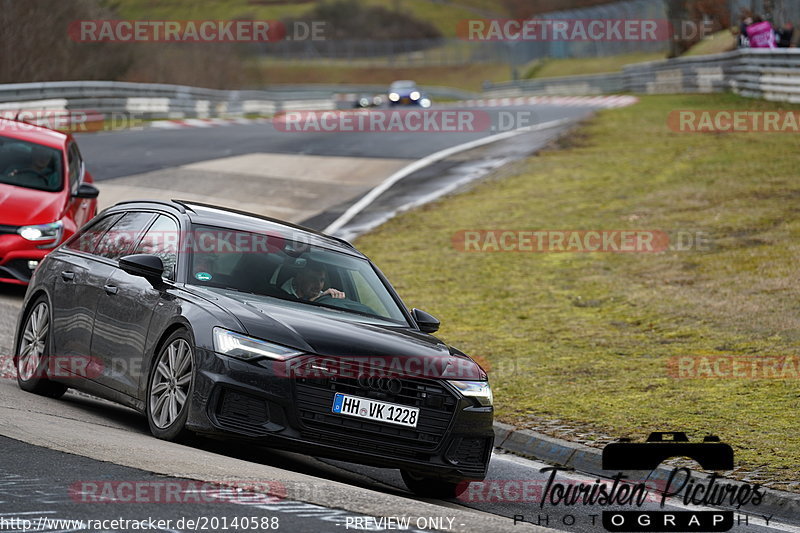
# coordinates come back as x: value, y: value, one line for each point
x: 50, y: 447
x: 116, y: 154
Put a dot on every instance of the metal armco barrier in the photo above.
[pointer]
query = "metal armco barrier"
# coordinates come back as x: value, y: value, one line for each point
x: 150, y: 100
x: 756, y: 73
x: 153, y: 101
x: 769, y: 74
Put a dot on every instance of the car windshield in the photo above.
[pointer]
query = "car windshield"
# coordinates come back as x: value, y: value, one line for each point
x: 30, y: 165
x: 289, y: 270
x: 403, y: 84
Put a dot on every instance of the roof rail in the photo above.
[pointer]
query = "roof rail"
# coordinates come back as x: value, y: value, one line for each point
x: 188, y: 205
x: 172, y: 204
x: 183, y: 203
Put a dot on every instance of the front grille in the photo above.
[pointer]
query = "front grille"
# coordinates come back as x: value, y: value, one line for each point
x: 8, y: 229
x: 314, y: 400
x: 467, y: 451
x: 241, y: 412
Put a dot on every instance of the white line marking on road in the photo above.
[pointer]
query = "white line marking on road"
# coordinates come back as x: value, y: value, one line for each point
x: 372, y: 195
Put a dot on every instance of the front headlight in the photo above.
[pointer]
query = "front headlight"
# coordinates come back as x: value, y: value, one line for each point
x: 414, y: 95
x: 425, y: 102
x: 480, y: 390
x: 248, y: 348
x: 394, y: 97
x: 43, y: 232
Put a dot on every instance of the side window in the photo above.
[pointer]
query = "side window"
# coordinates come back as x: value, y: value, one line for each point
x: 74, y: 162
x: 86, y: 239
x: 120, y: 238
x: 162, y: 240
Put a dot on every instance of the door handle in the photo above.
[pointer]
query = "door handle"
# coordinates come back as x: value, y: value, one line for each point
x: 67, y: 275
x: 110, y: 289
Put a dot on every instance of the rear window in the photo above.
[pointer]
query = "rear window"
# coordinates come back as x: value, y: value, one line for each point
x: 30, y: 165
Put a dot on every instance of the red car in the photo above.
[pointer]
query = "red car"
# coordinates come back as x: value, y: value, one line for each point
x: 46, y: 194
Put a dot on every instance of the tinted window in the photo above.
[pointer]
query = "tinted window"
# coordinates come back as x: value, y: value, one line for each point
x: 117, y: 241
x: 30, y: 165
x: 86, y: 239
x: 162, y: 240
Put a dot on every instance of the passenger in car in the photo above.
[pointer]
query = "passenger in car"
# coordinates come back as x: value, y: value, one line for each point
x: 309, y: 283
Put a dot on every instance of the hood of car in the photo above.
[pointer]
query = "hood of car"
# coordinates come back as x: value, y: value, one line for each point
x: 20, y: 206
x: 322, y: 333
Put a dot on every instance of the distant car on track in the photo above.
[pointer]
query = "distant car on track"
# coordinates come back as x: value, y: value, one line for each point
x: 365, y: 101
x: 46, y: 194
x: 219, y: 322
x: 406, y: 92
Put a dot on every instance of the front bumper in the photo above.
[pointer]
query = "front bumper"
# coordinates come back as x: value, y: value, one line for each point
x: 452, y: 441
x: 15, y: 253
x: 406, y: 101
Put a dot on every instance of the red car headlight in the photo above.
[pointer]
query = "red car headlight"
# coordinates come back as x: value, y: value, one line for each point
x: 43, y: 232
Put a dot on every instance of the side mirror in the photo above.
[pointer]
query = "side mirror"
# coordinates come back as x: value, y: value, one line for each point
x: 427, y: 323
x: 147, y: 266
x: 86, y: 190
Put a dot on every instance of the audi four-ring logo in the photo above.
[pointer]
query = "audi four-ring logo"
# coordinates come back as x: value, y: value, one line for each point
x: 382, y: 384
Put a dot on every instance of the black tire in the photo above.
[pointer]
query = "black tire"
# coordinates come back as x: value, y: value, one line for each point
x: 429, y: 487
x: 33, y: 351
x: 166, y: 384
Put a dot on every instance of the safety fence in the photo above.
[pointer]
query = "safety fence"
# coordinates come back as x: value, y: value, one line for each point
x: 757, y: 73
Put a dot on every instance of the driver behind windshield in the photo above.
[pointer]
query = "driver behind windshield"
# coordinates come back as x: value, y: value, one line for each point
x: 309, y: 283
x: 41, y: 161
x: 40, y: 164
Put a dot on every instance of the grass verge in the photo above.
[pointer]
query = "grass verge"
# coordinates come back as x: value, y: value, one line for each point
x: 466, y: 77
x: 553, y: 68
x: 716, y: 43
x: 583, y: 340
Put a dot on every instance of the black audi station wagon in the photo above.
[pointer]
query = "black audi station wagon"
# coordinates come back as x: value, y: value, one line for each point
x: 218, y: 322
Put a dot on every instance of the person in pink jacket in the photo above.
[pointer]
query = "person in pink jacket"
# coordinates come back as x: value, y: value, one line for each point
x: 760, y: 34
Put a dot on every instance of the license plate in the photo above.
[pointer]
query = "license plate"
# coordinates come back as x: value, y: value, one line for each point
x: 344, y: 404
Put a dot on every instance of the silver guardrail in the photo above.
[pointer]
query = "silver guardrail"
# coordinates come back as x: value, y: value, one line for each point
x: 757, y: 73
x: 153, y: 100
x: 769, y: 74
